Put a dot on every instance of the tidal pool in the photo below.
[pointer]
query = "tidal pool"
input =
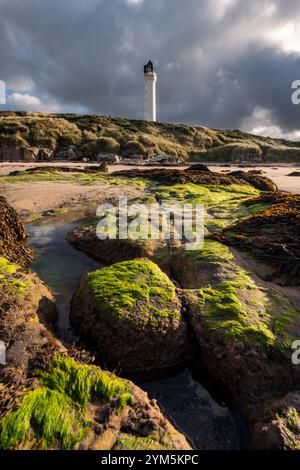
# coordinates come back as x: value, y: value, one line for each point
x: 208, y: 424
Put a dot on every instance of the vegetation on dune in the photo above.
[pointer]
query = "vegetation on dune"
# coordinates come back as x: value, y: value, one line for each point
x: 55, y: 413
x: 123, y: 288
x: 94, y: 134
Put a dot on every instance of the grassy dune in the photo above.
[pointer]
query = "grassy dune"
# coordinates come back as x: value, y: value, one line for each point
x: 94, y: 134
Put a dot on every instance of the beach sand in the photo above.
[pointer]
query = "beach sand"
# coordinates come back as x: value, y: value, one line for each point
x: 38, y: 197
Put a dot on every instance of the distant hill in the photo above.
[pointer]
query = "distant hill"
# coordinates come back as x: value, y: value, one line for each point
x: 42, y: 136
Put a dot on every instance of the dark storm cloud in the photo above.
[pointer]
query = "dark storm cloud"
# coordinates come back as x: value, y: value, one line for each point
x: 215, y: 60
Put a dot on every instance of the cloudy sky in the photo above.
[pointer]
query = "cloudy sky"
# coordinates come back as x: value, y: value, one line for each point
x: 221, y: 63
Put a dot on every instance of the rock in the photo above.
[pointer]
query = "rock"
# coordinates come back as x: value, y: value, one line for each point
x: 257, y: 181
x: 51, y: 397
x: 109, y: 158
x: 174, y: 176
x: 17, y: 154
x: 295, y: 173
x: 136, y: 158
x: 10, y: 153
x: 76, y: 406
x: 278, y: 424
x: 244, y: 329
x: 160, y: 158
x: 62, y: 402
x: 134, y: 306
x: 45, y: 155
x: 13, y: 238
x: 198, y: 167
x: 271, y: 236
x: 30, y: 154
x: 69, y: 154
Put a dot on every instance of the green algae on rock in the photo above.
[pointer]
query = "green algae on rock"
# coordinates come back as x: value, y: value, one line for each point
x: 233, y: 305
x: 54, y: 413
x: 134, y: 306
x: 119, y: 289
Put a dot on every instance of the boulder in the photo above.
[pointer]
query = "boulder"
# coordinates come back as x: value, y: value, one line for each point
x: 198, y: 167
x: 69, y: 154
x: 109, y: 158
x: 52, y: 397
x: 134, y: 307
x: 160, y: 158
x: 45, y: 155
x: 10, y: 153
x: 30, y: 154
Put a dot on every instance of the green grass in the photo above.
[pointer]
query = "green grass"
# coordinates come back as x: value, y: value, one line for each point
x: 121, y: 290
x: 54, y: 413
x: 94, y: 134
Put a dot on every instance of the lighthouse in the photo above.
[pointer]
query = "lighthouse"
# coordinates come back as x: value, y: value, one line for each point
x: 150, y: 92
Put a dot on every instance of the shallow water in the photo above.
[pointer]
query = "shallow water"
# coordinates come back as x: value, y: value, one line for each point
x: 207, y: 424
x: 59, y: 265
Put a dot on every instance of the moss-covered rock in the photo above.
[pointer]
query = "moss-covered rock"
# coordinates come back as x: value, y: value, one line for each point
x: 134, y: 307
x: 245, y: 329
x: 277, y: 424
x: 79, y: 406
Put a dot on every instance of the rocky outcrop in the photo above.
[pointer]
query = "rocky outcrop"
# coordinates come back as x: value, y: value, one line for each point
x: 271, y: 235
x: 67, y: 154
x: 278, y: 424
x: 134, y: 307
x: 256, y: 180
x: 16, y: 154
x: 49, y: 400
x: 26, y: 307
x: 109, y: 158
x: 51, y: 397
x: 244, y: 330
x: 101, y: 168
x: 203, y: 177
x: 12, y: 235
x: 72, y: 405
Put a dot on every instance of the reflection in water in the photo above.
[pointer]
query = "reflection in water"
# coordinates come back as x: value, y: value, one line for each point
x: 192, y: 409
x: 59, y: 265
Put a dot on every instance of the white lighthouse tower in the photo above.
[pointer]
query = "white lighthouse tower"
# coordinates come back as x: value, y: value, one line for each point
x: 150, y: 92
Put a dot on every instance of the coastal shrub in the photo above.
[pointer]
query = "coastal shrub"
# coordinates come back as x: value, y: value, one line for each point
x: 107, y: 145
